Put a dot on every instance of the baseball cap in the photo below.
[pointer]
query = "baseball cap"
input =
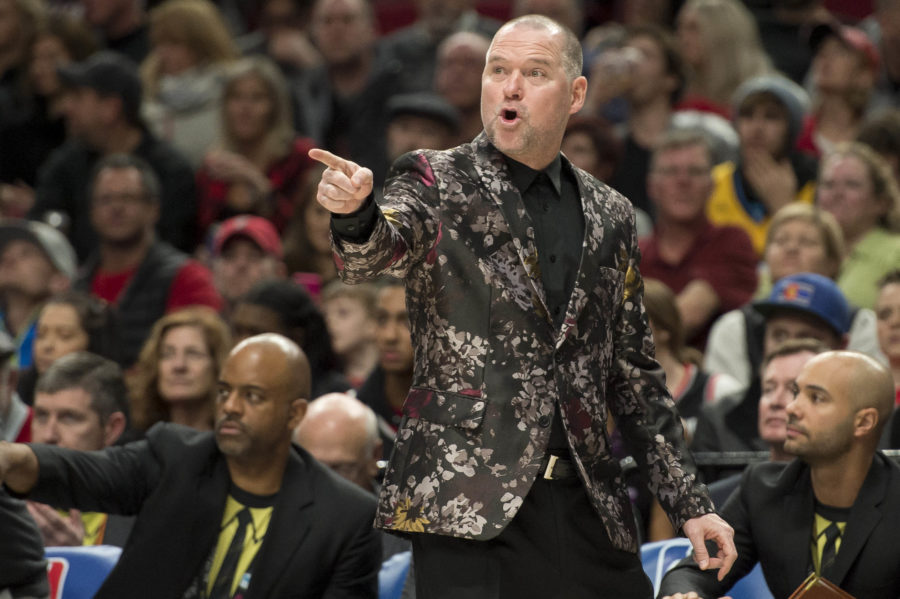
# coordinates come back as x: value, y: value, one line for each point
x: 53, y: 243
x: 852, y: 37
x: 812, y: 294
x: 109, y: 74
x: 255, y: 228
x: 424, y: 104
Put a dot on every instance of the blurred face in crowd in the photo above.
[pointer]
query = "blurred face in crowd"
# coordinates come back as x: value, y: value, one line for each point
x: 650, y: 79
x: 120, y: 210
x: 690, y: 38
x: 88, y: 115
x: 249, y: 109
x: 798, y: 246
x: 887, y: 311
x: 777, y: 392
x: 257, y: 402
x: 845, y: 190
x: 762, y: 125
x: 25, y: 269
x: 788, y: 324
x: 241, y: 265
x: 59, y: 332
x: 526, y: 95
x: 579, y: 148
x: 440, y: 16
x: 350, y: 325
x: 47, y: 54
x: 680, y: 183
x: 392, y: 335
x: 174, y: 56
x: 408, y: 132
x: 186, y: 366
x: 66, y: 419
x: 460, y: 63
x: 10, y: 24
x: 836, y: 67
x: 342, y: 30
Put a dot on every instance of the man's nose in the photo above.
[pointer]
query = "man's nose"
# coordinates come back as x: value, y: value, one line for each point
x: 512, y: 87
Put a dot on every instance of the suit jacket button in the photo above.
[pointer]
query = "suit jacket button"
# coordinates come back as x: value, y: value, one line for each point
x: 544, y: 421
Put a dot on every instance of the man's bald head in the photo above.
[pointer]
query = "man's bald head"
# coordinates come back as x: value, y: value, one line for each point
x: 283, y: 356
x: 867, y: 382
x: 342, y: 432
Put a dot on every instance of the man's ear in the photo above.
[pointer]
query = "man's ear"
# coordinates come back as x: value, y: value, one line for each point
x: 297, y: 412
x: 865, y: 421
x: 579, y: 93
x: 113, y: 429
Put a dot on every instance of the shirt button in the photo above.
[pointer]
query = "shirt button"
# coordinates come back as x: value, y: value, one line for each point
x: 546, y: 208
x: 553, y: 258
x: 544, y: 421
x: 351, y: 227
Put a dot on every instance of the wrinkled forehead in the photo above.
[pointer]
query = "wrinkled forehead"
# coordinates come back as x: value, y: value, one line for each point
x: 529, y: 37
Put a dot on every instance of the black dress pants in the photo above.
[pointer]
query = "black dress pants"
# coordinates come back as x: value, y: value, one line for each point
x: 555, y: 548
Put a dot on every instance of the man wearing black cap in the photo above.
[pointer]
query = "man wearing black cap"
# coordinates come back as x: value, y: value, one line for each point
x: 102, y: 110
x: 420, y: 121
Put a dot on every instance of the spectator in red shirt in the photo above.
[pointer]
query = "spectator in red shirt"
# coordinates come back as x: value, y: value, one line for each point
x: 142, y: 277
x: 711, y: 269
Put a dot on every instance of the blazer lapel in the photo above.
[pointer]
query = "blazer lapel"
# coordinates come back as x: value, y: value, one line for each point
x: 493, y: 176
x: 288, y: 529
x: 865, y: 515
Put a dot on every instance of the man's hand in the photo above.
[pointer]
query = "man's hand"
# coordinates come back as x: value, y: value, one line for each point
x: 712, y: 527
x: 344, y: 186
x: 774, y: 181
x: 18, y: 466
x: 56, y: 530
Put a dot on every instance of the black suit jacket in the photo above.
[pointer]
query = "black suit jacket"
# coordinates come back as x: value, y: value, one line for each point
x: 320, y: 541
x: 772, y: 516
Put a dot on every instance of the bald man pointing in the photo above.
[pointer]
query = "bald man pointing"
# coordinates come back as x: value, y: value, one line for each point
x: 238, y: 512
x: 835, y: 511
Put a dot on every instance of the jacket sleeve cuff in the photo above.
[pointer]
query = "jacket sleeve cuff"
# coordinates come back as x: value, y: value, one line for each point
x: 356, y: 227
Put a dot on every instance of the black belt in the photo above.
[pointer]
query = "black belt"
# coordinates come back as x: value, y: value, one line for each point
x: 554, y: 467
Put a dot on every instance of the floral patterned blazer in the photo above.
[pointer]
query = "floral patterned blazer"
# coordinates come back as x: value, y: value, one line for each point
x: 490, y: 366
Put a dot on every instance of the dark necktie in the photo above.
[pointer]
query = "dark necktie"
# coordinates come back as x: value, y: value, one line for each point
x: 832, y: 533
x: 222, y: 587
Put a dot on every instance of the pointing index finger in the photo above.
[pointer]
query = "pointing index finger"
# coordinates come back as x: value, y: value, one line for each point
x: 331, y: 161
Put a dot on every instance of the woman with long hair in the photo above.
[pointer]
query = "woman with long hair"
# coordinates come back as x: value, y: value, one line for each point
x: 183, y: 74
x: 68, y: 322
x: 176, y: 374
x: 720, y: 45
x: 258, y: 164
x: 858, y: 188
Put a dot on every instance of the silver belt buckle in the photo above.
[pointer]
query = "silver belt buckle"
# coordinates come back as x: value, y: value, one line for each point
x: 551, y: 463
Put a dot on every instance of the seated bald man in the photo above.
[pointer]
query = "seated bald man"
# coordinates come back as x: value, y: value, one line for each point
x: 342, y: 432
x: 236, y: 512
x: 833, y: 512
